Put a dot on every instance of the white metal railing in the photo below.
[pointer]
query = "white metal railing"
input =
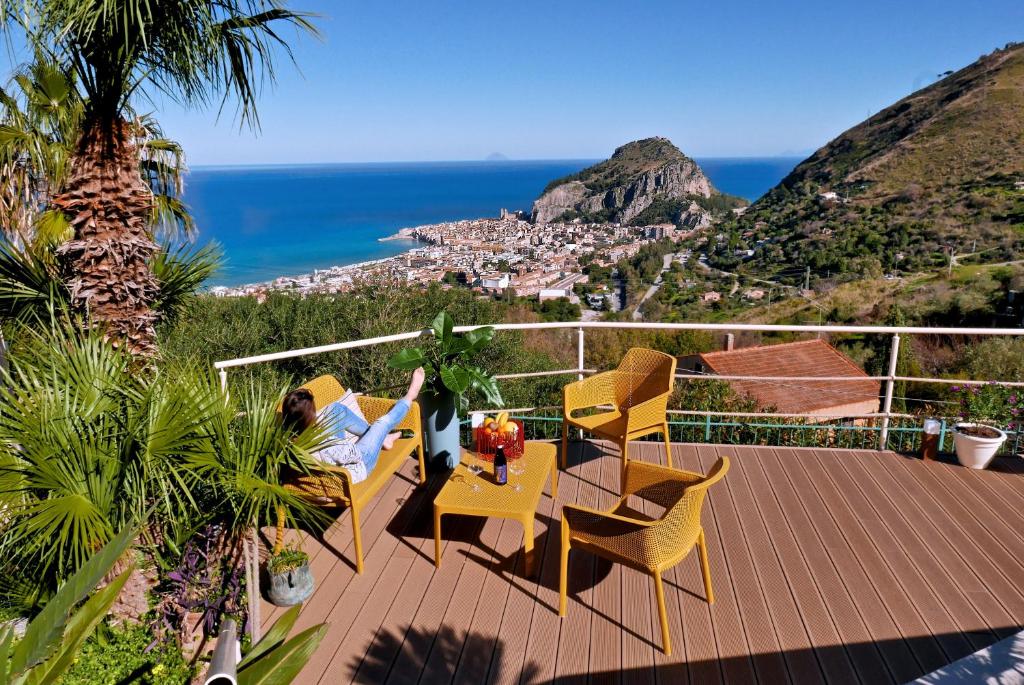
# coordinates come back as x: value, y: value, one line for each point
x: 890, y: 379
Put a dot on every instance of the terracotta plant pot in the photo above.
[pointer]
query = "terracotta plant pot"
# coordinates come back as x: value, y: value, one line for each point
x: 291, y: 587
x: 977, y: 444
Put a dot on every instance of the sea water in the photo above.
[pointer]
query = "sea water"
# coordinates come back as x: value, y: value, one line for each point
x: 286, y: 220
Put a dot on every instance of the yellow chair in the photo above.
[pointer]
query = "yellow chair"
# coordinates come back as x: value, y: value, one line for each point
x: 637, y: 393
x: 332, y: 486
x: 651, y: 545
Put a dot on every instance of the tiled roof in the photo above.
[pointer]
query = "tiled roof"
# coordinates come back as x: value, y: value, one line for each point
x: 804, y: 358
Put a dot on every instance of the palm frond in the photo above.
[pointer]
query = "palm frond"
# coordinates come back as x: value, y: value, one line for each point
x: 180, y: 273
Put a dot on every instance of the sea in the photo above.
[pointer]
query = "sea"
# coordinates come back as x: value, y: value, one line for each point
x: 286, y: 220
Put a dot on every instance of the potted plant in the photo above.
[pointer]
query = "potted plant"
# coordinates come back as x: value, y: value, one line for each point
x: 975, y: 441
x: 291, y: 580
x: 450, y: 376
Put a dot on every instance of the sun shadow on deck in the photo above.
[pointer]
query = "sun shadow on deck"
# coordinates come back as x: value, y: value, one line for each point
x: 449, y: 656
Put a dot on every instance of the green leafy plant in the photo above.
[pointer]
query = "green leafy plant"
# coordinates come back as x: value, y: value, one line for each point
x: 991, y: 403
x: 448, y: 362
x: 88, y: 445
x: 276, y: 659
x: 54, y: 636
x: 288, y: 559
x: 122, y: 655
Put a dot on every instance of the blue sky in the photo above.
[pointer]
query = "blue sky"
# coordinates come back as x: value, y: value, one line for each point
x: 440, y: 80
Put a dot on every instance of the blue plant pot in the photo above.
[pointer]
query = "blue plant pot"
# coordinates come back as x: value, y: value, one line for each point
x: 441, y: 419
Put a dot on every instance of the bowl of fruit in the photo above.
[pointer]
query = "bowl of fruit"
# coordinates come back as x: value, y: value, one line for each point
x: 499, y: 430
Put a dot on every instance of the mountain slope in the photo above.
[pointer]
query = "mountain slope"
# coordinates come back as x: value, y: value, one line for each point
x: 937, y: 171
x: 647, y: 180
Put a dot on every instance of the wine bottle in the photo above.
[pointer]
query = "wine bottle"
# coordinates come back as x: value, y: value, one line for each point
x: 500, y: 466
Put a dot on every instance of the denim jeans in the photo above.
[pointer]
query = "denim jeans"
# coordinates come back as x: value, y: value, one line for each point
x: 371, y: 436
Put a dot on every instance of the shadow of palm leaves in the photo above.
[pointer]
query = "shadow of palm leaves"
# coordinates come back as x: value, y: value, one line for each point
x: 419, y: 655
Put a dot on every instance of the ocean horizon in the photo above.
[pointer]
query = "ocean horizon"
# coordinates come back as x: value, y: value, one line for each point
x: 289, y: 219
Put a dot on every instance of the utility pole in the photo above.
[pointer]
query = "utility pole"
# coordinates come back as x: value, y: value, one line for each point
x: 807, y: 279
x: 952, y: 258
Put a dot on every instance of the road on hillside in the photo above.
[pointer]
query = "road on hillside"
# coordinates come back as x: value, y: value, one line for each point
x: 666, y: 262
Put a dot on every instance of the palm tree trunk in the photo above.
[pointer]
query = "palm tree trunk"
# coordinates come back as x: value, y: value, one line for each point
x: 107, y: 262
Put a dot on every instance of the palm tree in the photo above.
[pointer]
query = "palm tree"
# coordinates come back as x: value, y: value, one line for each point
x: 195, y: 51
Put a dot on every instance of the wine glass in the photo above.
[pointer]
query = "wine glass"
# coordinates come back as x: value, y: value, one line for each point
x: 517, y: 467
x: 475, y: 469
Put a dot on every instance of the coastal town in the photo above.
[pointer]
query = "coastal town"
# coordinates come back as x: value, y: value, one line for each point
x: 491, y: 256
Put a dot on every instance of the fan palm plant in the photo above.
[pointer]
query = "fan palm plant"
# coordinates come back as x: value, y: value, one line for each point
x: 195, y: 51
x: 88, y: 446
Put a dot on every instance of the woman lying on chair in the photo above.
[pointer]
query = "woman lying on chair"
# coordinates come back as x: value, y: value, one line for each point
x: 358, y: 455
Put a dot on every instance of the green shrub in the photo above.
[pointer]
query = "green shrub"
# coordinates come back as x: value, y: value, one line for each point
x: 118, y: 655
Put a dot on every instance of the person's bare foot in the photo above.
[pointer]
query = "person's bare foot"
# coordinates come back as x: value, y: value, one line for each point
x: 415, y: 384
x: 389, y: 441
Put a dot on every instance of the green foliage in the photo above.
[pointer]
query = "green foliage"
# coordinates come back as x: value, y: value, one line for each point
x: 125, y: 655
x: 286, y: 560
x: 560, y: 309
x: 448, y: 362
x: 32, y: 291
x: 213, y: 329
x: 994, y: 404
x: 54, y: 636
x: 90, y: 445
x: 275, y: 660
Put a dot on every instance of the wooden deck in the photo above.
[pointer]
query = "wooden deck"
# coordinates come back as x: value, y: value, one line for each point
x: 828, y: 565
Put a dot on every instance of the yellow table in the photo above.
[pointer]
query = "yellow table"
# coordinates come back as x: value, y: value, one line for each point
x: 501, y: 501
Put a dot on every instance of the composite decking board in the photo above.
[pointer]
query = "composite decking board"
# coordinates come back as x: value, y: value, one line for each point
x: 821, y: 600
x: 544, y: 645
x: 730, y: 634
x: 324, y: 561
x: 699, y: 651
x: 993, y: 539
x: 426, y: 631
x: 917, y: 609
x: 371, y: 644
x: 788, y: 473
x: 606, y: 629
x: 333, y: 576
x: 641, y: 636
x: 954, y: 618
x: 673, y: 668
x: 512, y: 660
x: 970, y: 571
x: 365, y: 598
x: 833, y: 623
x: 389, y: 638
x: 482, y: 631
x: 574, y: 636
x: 767, y: 654
x: 797, y: 644
x: 860, y: 521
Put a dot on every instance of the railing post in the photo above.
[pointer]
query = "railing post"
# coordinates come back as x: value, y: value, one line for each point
x: 707, y: 428
x: 890, y: 383
x: 579, y: 352
x: 223, y: 373
x: 942, y: 435
x: 579, y: 361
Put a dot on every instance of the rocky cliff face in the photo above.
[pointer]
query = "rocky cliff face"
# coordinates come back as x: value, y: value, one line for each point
x: 621, y: 188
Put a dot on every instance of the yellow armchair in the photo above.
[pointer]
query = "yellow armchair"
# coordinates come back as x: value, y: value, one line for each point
x: 332, y: 486
x: 651, y: 545
x: 634, y: 398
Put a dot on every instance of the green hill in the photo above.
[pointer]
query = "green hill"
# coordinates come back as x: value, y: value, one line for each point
x: 941, y: 170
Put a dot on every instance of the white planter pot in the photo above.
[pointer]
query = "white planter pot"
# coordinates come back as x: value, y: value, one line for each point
x: 976, y: 453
